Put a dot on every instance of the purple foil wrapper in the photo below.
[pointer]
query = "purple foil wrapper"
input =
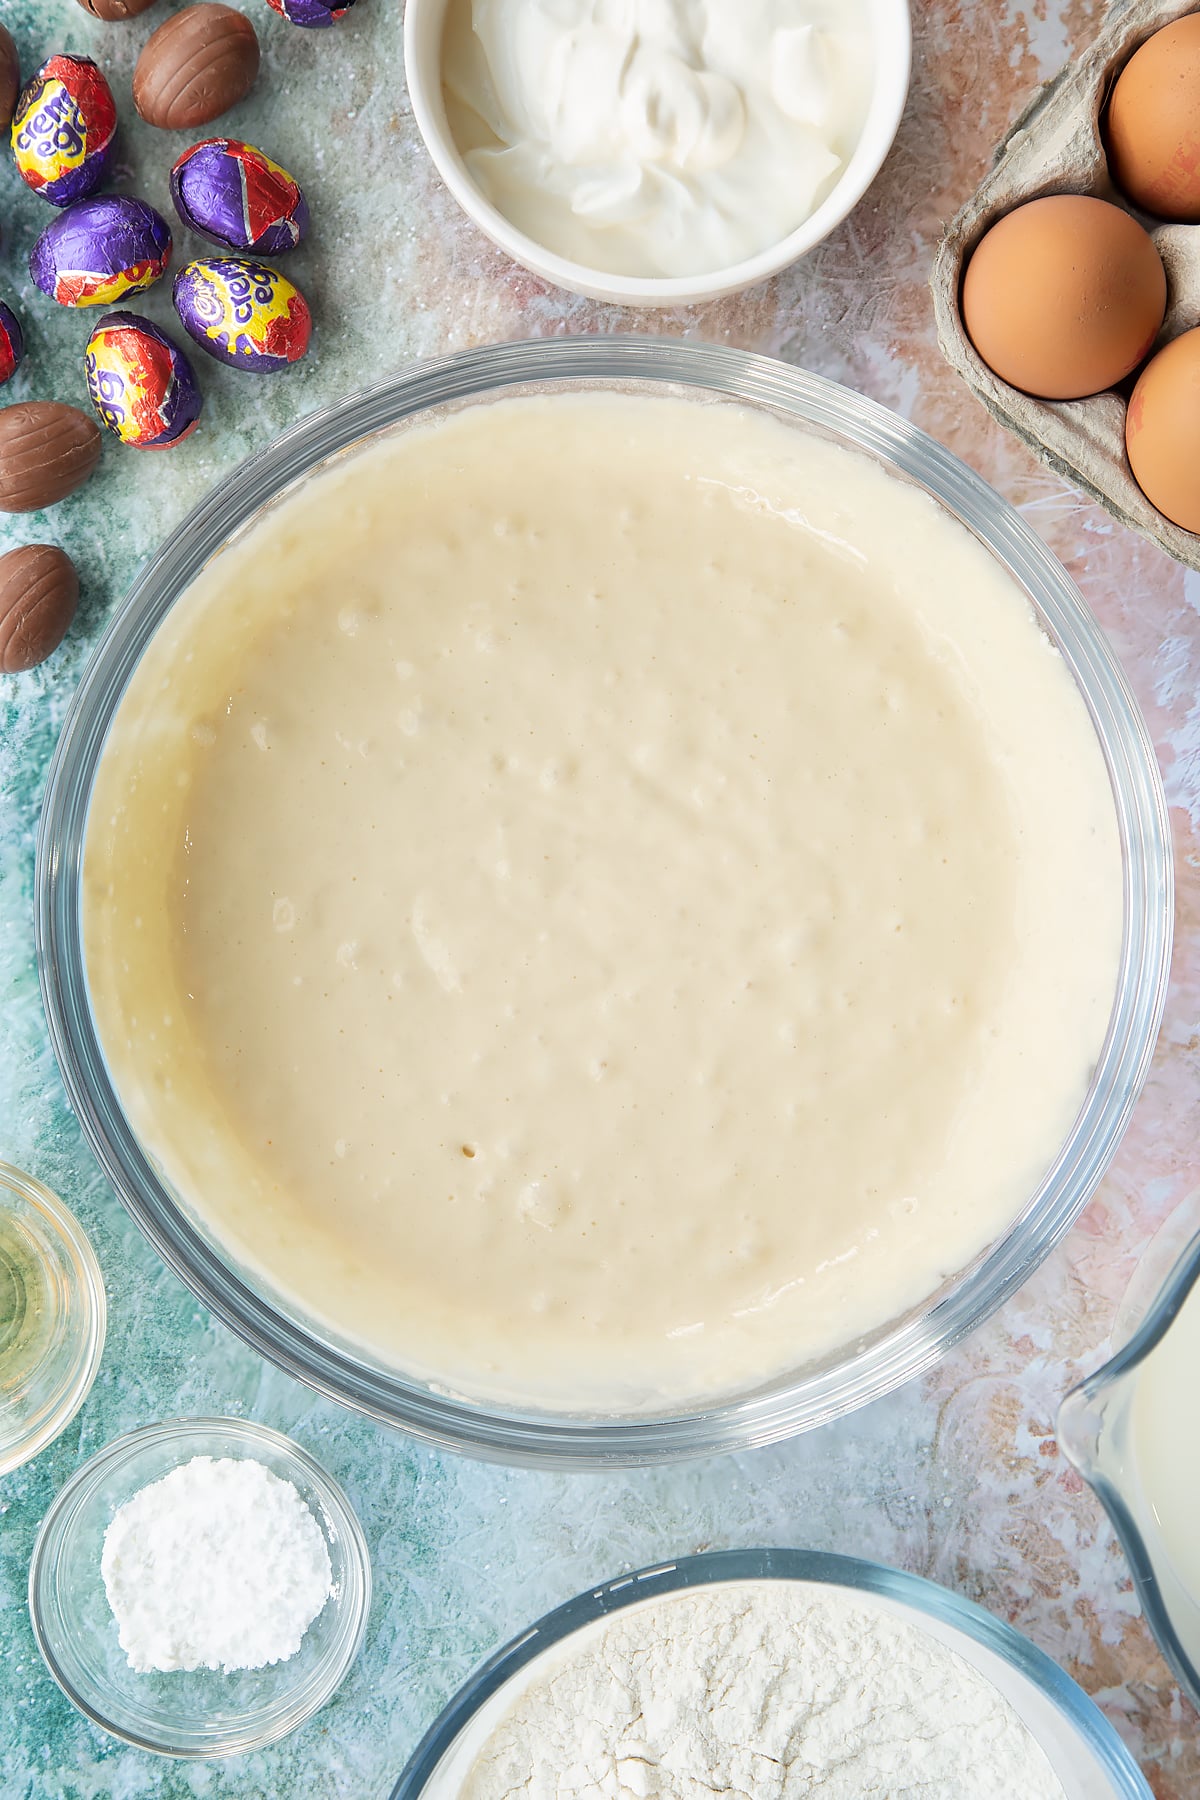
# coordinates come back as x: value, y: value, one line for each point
x: 100, y: 250
x: 232, y: 193
x: 315, y: 13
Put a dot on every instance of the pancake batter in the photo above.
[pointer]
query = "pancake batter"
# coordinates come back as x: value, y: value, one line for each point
x: 603, y: 899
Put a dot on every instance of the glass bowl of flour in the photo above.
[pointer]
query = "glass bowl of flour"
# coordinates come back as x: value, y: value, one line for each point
x: 661, y: 937
x: 155, y: 1498
x: 771, y: 1672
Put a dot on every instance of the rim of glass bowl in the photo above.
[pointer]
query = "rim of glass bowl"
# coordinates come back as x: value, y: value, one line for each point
x: 354, y: 1603
x: 912, y: 1591
x: 796, y: 1403
x: 88, y: 1295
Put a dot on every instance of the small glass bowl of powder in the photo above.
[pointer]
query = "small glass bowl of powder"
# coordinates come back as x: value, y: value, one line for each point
x: 200, y: 1587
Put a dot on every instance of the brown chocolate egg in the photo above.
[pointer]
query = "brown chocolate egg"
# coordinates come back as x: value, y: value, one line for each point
x: 1064, y: 296
x: 47, y: 450
x: 39, y: 591
x: 1162, y: 431
x: 1153, y: 125
x: 116, y: 10
x: 10, y: 77
x: 198, y: 64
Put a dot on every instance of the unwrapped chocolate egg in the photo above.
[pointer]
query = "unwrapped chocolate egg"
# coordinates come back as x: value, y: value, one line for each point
x: 47, y: 450
x: 245, y: 314
x: 198, y: 64
x: 63, y: 130
x: 316, y: 13
x: 232, y: 193
x: 142, y: 385
x: 12, y: 343
x: 117, y: 10
x: 101, y: 250
x: 10, y: 77
x: 39, y: 591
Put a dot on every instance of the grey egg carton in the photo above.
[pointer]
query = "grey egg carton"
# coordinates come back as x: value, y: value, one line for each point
x: 1055, y: 147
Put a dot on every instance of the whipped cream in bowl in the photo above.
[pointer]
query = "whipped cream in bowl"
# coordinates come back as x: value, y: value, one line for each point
x: 660, y: 153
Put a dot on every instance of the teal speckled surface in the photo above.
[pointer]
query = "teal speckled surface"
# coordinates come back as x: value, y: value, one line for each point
x: 957, y: 1477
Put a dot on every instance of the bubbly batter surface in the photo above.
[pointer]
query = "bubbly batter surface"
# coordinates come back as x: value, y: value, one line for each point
x: 602, y: 899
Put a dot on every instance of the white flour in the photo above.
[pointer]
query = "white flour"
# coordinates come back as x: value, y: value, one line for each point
x: 220, y: 1565
x: 761, y: 1692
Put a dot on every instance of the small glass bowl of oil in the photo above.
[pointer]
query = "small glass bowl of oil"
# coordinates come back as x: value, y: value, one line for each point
x: 52, y: 1315
x: 1131, y: 1431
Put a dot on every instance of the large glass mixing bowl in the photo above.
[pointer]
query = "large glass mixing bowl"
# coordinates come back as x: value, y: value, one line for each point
x: 803, y: 1398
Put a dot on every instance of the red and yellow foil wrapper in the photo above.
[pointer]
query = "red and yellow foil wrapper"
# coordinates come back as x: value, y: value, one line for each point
x: 141, y: 383
x: 12, y: 343
x: 63, y: 130
x: 244, y: 313
x: 100, y: 250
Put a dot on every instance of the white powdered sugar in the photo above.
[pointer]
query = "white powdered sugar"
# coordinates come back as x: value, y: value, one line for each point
x: 219, y: 1565
x: 760, y: 1691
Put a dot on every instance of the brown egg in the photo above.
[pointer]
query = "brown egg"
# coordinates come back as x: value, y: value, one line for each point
x: 1162, y: 431
x: 1064, y: 296
x: 1153, y: 126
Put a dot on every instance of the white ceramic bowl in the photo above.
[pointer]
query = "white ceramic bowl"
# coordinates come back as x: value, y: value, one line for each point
x: 891, y: 32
